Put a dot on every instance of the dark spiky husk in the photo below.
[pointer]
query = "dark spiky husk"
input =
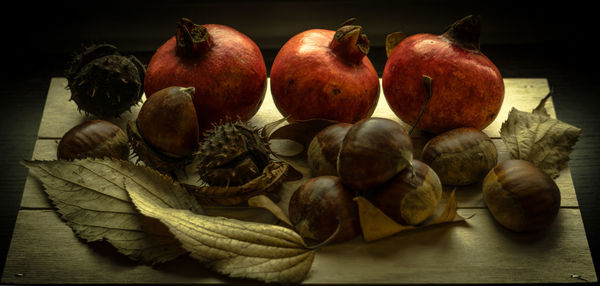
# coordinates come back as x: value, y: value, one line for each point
x: 232, y: 154
x: 271, y: 178
x: 103, y: 82
x: 151, y: 157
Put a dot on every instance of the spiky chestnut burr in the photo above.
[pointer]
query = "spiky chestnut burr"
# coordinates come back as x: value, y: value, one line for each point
x: 232, y: 154
x: 103, y: 82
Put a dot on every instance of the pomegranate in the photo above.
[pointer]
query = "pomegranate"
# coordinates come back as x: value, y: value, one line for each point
x: 467, y: 90
x: 325, y: 74
x: 225, y: 67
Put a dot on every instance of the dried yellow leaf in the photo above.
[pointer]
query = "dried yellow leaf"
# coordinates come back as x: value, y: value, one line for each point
x: 237, y: 248
x: 375, y: 224
x: 536, y: 137
x: 265, y: 202
x: 89, y: 196
x: 152, y: 218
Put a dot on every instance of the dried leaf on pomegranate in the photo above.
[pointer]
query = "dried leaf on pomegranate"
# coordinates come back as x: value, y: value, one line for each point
x: 375, y: 224
x: 265, y: 202
x: 290, y: 142
x: 271, y: 178
x: 90, y: 197
x: 236, y: 248
x: 536, y: 137
x: 392, y: 40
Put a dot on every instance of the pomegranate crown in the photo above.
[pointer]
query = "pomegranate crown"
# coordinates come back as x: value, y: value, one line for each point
x: 465, y: 32
x: 192, y: 39
x: 349, y: 42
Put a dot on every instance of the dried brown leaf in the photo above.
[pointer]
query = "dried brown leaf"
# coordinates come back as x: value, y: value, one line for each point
x: 392, y: 40
x: 376, y: 225
x: 265, y: 202
x: 236, y: 248
x: 301, y: 131
x: 151, y: 218
x: 536, y: 137
x: 290, y: 142
x: 89, y: 196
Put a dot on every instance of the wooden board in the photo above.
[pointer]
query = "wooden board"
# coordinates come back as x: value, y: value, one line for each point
x: 477, y: 251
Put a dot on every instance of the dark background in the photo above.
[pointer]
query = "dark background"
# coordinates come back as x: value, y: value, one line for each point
x: 523, y: 38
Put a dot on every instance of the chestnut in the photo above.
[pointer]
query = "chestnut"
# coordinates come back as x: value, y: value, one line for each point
x: 373, y: 151
x: 321, y: 205
x: 94, y: 138
x: 521, y: 196
x: 460, y: 156
x: 410, y: 197
x: 324, y: 148
x: 166, y: 133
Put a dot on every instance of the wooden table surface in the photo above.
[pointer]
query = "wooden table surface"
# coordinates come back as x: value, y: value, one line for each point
x: 575, y: 97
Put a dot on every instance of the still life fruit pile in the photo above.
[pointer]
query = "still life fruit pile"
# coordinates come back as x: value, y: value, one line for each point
x: 327, y: 172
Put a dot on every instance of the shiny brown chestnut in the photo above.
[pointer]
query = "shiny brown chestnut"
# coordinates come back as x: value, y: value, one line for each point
x: 373, y: 151
x: 521, y: 196
x: 410, y: 197
x: 324, y: 148
x: 320, y: 206
x: 166, y: 132
x: 460, y: 156
x: 95, y: 139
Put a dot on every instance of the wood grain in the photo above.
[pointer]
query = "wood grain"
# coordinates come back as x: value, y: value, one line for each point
x: 477, y: 251
x: 45, y: 250
x: 466, y: 196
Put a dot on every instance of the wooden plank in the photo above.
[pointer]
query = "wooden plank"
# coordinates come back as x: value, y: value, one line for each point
x: 468, y: 196
x: 60, y: 114
x: 45, y: 250
x: 479, y: 251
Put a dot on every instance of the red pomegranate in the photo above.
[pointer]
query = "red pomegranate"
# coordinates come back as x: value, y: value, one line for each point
x: 325, y: 74
x: 467, y: 88
x: 225, y: 67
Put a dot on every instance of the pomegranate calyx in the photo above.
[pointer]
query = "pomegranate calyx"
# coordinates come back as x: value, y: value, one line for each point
x: 465, y: 32
x: 192, y: 39
x: 350, y: 44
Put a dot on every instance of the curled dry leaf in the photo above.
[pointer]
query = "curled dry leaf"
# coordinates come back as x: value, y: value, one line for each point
x: 265, y: 202
x: 290, y: 142
x: 149, y: 217
x: 271, y: 178
x: 392, y: 40
x: 376, y: 225
x: 89, y: 196
x: 536, y: 137
x: 240, y: 249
